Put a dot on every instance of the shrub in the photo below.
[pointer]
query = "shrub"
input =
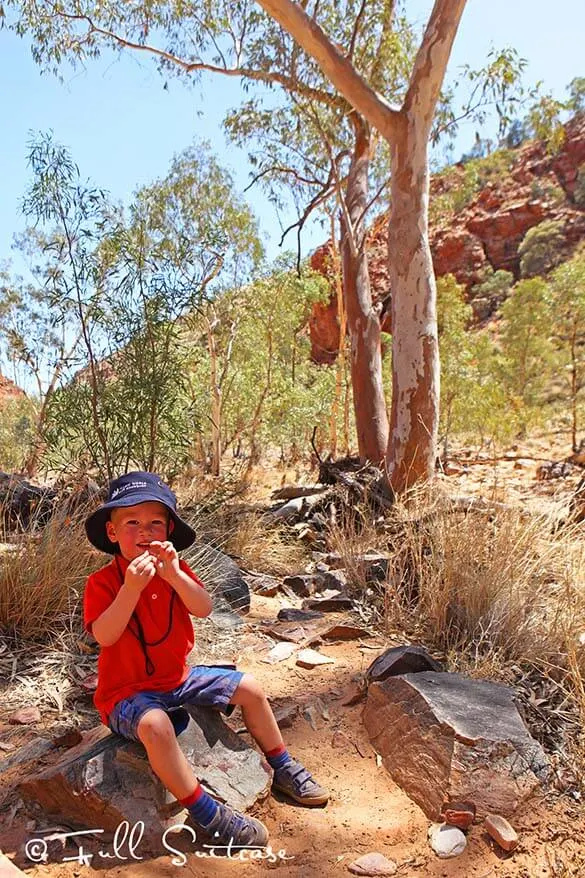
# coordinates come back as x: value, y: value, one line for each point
x: 541, y: 248
x: 17, y: 430
x: 496, y: 286
x: 545, y: 190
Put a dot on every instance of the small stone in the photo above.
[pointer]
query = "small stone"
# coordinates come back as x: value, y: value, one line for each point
x: 25, y: 716
x: 346, y: 632
x: 310, y: 658
x: 8, y: 869
x: 265, y: 586
x: 285, y: 716
x: 335, y: 579
x: 501, y: 831
x: 373, y: 864
x: 310, y: 714
x: 292, y: 614
x: 334, y: 604
x: 280, y: 652
x: 398, y: 660
x: 340, y: 741
x: 353, y: 694
x: 460, y: 814
x: 446, y: 841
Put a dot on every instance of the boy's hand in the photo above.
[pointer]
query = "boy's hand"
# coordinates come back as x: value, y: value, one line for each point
x: 166, y: 560
x: 140, y: 571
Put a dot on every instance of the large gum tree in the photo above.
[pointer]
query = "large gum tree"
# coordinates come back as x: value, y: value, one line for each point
x: 230, y: 38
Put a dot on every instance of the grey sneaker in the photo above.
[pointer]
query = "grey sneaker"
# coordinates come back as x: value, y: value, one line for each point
x: 229, y: 827
x: 298, y: 783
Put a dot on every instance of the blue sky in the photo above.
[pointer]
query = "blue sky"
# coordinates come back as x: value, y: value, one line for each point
x: 123, y: 127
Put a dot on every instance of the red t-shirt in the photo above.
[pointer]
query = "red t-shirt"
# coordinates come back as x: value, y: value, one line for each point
x: 122, y: 667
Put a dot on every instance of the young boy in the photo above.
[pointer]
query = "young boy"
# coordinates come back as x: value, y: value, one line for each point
x: 138, y: 608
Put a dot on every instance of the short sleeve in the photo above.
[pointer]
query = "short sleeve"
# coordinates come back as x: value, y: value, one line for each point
x: 186, y: 569
x: 99, y: 593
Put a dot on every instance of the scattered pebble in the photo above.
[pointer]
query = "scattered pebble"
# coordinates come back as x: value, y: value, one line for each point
x: 340, y: 740
x: 501, y: 831
x: 280, y: 652
x: 373, y: 864
x: 446, y: 841
x: 25, y: 716
x: 310, y: 658
x: 460, y: 814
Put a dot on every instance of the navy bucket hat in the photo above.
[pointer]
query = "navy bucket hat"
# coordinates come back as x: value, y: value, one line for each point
x: 130, y: 490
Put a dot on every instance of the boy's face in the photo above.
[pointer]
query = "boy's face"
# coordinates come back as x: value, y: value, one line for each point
x: 135, y: 527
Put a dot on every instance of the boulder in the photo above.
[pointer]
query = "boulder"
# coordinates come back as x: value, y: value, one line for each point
x: 401, y: 660
x: 221, y: 575
x: 444, y: 737
x: 107, y: 779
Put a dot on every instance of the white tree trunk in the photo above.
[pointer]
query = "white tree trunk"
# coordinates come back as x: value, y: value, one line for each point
x: 415, y: 353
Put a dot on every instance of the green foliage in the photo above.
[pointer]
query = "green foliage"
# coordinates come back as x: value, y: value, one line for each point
x: 545, y: 120
x: 541, y: 248
x: 527, y: 350
x: 495, y: 287
x: 568, y: 309
x: 545, y: 190
x: 463, y: 184
x: 18, y: 419
x: 271, y: 392
x: 576, y: 101
x: 123, y: 286
x: 472, y: 402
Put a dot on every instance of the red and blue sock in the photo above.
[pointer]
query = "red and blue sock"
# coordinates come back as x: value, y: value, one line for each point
x: 201, y: 806
x: 278, y: 757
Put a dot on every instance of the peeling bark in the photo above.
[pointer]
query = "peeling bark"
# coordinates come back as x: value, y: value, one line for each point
x: 364, y: 324
x: 415, y: 354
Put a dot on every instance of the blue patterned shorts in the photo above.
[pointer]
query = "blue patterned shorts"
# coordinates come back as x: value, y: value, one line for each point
x: 206, y: 686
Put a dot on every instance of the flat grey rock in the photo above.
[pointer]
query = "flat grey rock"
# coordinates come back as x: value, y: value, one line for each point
x: 107, y: 779
x: 220, y: 574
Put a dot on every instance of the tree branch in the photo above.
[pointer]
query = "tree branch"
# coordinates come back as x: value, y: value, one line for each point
x: 286, y: 82
x: 431, y: 60
x: 339, y: 70
x: 356, y: 27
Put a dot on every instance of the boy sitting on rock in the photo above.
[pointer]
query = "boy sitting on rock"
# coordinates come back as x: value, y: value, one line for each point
x: 138, y: 608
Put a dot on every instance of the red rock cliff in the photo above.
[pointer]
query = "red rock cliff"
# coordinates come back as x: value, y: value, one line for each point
x: 485, y: 234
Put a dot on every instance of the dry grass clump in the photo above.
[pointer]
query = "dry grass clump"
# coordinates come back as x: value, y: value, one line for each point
x: 497, y: 586
x: 485, y: 587
x: 42, y: 573
x: 259, y: 545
